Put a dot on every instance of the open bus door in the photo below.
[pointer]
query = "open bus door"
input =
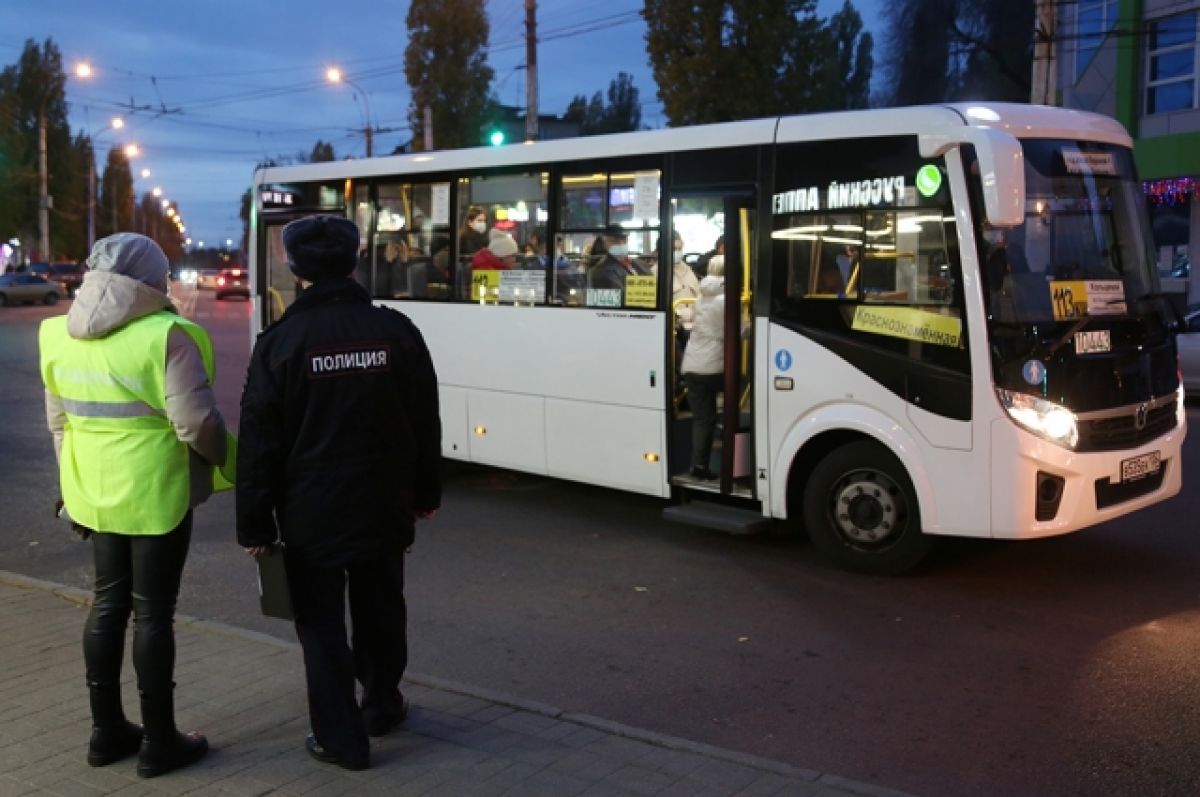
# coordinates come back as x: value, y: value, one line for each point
x: 278, y: 286
x: 732, y: 216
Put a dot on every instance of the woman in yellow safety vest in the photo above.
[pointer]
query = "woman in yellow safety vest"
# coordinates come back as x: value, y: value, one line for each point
x: 137, y: 433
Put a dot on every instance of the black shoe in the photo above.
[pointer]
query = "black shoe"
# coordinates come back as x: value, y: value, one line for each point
x: 381, y: 722
x: 158, y: 757
x: 325, y: 757
x: 107, y: 746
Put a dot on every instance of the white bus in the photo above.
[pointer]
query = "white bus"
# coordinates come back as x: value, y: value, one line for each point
x: 939, y: 320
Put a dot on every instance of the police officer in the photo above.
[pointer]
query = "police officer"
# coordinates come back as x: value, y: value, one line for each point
x: 137, y: 432
x: 339, y: 454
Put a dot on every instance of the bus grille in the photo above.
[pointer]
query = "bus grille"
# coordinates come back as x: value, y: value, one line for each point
x: 1120, y: 431
x: 1109, y: 494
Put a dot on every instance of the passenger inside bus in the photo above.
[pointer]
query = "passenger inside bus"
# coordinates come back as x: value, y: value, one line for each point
x: 499, y: 255
x: 829, y: 279
x: 703, y: 366
x: 439, y: 262
x: 391, y: 279
x: 608, y: 269
x: 472, y: 236
x: 534, y: 252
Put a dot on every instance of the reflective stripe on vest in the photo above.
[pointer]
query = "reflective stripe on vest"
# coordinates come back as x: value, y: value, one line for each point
x: 121, y: 467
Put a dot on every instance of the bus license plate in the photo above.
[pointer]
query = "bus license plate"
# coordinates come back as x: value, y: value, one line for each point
x: 1140, y: 467
x: 1093, y: 342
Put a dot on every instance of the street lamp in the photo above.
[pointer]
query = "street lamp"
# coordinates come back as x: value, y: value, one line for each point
x: 335, y: 76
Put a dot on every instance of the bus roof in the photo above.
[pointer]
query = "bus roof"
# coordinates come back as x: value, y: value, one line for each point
x: 1022, y: 121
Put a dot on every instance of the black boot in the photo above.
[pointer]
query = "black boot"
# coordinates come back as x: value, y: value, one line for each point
x: 164, y: 748
x: 113, y: 736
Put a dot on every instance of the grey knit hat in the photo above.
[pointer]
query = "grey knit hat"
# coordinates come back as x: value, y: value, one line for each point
x: 134, y: 256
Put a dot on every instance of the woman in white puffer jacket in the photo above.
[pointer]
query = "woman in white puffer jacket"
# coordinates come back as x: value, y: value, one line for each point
x: 704, y: 365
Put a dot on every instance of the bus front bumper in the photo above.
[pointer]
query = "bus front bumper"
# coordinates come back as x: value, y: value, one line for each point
x: 1026, y: 471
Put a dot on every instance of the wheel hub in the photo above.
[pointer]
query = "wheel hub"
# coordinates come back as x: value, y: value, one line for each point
x: 866, y: 510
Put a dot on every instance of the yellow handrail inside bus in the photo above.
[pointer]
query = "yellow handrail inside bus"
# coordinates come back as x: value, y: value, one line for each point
x: 747, y: 311
x: 744, y: 225
x: 276, y: 302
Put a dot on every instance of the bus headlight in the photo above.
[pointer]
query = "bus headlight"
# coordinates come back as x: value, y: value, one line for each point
x: 1043, y: 418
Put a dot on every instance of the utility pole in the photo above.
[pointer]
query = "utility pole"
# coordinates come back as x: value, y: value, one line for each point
x: 531, y: 86
x: 91, y: 205
x: 44, y: 201
x: 1044, y: 83
x: 428, y: 135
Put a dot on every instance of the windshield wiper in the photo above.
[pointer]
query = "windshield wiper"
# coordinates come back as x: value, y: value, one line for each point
x: 1070, y: 333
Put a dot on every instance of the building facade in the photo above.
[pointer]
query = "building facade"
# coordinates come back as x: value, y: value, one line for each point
x: 1139, y: 62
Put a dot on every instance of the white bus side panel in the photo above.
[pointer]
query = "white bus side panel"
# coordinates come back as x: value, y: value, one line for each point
x: 507, y: 430
x: 829, y: 394
x: 607, y: 445
x: 456, y: 429
x: 572, y: 393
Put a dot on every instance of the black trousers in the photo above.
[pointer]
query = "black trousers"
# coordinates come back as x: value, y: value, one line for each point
x: 703, y: 390
x: 376, y: 654
x: 138, y: 574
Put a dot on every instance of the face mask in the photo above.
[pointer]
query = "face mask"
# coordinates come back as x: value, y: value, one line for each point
x: 678, y: 257
x: 479, y: 226
x: 618, y: 250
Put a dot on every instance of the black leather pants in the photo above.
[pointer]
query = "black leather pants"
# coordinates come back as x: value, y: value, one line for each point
x: 138, y: 573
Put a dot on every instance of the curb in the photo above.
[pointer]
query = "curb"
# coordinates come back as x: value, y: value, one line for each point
x: 84, y: 598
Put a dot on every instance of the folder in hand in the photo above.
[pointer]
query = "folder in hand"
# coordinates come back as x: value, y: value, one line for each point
x: 273, y: 594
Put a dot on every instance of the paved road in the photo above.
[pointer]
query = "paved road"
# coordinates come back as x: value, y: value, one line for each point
x: 1057, y: 667
x: 456, y: 742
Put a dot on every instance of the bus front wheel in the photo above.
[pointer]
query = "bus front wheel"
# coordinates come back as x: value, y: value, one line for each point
x: 861, y: 511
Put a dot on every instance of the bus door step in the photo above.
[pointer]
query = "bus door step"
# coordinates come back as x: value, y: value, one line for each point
x: 730, y: 519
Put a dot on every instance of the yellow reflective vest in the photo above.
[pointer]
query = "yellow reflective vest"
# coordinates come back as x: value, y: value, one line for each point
x: 121, y: 468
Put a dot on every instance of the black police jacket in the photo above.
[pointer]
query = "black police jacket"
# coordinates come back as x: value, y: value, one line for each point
x: 340, y: 439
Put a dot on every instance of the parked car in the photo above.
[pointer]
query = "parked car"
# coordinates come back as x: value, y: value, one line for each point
x: 233, y: 282
x: 27, y: 288
x: 69, y: 275
x: 207, y: 278
x: 1189, y: 351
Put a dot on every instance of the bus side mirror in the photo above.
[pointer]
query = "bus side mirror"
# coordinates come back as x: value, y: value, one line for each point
x: 1001, y: 169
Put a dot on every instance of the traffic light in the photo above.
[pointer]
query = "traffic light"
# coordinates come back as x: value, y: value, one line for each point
x: 495, y: 137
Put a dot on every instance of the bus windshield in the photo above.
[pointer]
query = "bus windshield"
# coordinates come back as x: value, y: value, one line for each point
x: 1084, y: 248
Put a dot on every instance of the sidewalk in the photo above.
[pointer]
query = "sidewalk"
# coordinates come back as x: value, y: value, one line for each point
x: 458, y: 741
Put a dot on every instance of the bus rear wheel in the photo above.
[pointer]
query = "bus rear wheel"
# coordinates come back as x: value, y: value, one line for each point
x: 861, y: 511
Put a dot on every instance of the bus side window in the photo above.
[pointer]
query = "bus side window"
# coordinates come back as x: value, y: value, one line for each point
x: 501, y: 208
